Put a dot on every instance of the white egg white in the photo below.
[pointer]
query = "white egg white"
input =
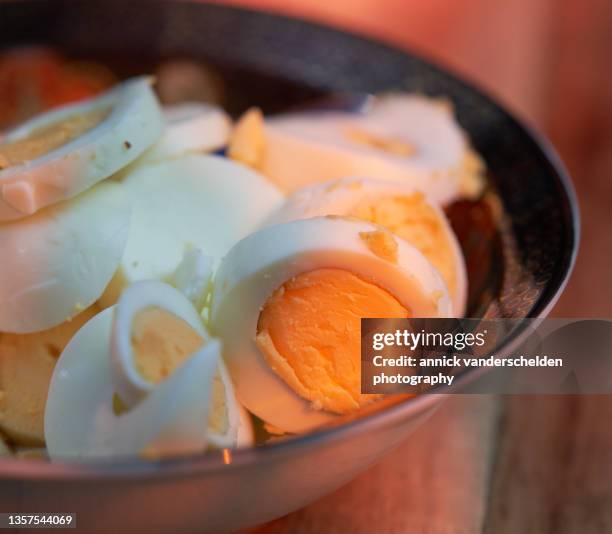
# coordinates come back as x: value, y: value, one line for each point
x: 80, y: 422
x: 58, y: 261
x: 134, y: 122
x: 190, y: 127
x: 193, y: 201
x: 262, y: 262
x: 130, y: 385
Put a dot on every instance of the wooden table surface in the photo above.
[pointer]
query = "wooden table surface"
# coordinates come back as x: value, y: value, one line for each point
x: 501, y: 464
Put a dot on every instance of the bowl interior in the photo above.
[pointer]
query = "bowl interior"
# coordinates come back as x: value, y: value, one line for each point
x: 516, y: 264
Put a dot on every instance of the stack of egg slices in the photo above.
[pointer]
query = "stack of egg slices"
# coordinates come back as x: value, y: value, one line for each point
x: 153, y: 295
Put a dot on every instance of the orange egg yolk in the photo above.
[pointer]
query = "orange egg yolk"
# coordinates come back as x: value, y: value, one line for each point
x: 309, y: 333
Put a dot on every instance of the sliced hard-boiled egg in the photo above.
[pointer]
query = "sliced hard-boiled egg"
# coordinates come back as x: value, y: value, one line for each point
x: 287, y: 302
x: 397, y: 206
x: 80, y: 418
x: 58, y: 261
x: 151, y: 381
x: 155, y: 329
x: 59, y: 154
x: 26, y: 365
x: 190, y: 127
x: 194, y: 201
x: 402, y: 137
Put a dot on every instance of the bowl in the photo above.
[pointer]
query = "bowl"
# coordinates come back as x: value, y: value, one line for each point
x: 517, y: 266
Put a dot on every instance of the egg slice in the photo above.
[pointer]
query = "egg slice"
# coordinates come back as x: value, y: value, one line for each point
x: 155, y: 329
x: 26, y: 365
x: 287, y: 302
x: 150, y: 382
x: 190, y: 127
x: 194, y: 201
x: 408, y: 138
x: 81, y: 421
x: 58, y: 261
x: 59, y: 154
x: 397, y: 206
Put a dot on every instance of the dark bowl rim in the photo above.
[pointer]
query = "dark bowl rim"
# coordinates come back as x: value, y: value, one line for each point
x: 204, y: 463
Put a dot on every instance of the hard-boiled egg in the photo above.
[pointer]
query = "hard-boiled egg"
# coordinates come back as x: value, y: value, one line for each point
x: 194, y: 201
x: 287, y: 302
x: 26, y: 365
x: 150, y: 380
x: 80, y: 419
x: 397, y: 206
x: 190, y: 127
x: 57, y: 262
x: 402, y: 137
x: 59, y: 154
x: 155, y: 329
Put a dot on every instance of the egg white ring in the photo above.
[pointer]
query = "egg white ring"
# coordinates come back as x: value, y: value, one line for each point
x: 79, y: 417
x: 190, y: 127
x: 135, y: 122
x: 170, y: 422
x: 129, y: 384
x: 234, y: 417
x: 246, y: 434
x: 264, y: 261
x: 57, y: 262
x: 304, y: 148
x: 339, y: 197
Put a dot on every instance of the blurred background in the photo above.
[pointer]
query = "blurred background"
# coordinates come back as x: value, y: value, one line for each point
x: 513, y: 464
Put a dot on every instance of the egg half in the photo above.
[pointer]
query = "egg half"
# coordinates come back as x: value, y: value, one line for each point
x: 287, y: 302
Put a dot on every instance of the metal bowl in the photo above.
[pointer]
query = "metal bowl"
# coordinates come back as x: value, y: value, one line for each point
x: 516, y: 270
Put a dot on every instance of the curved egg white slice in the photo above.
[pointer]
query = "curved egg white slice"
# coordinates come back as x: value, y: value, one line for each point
x: 59, y: 154
x: 398, y: 207
x: 144, y: 355
x: 129, y: 382
x: 193, y: 201
x: 259, y: 267
x: 402, y: 137
x: 57, y: 262
x: 190, y: 127
x: 80, y: 421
